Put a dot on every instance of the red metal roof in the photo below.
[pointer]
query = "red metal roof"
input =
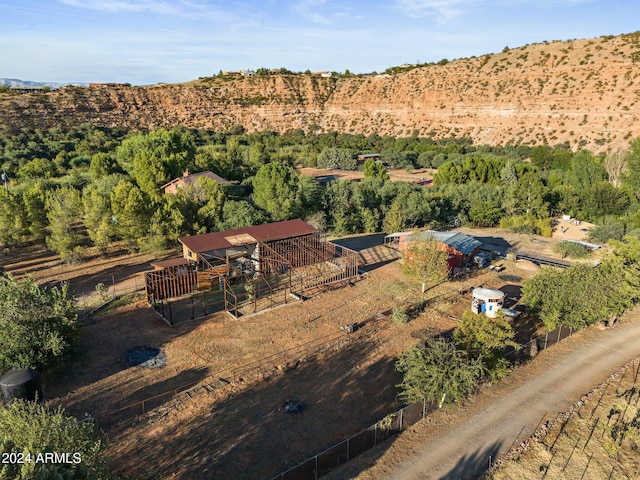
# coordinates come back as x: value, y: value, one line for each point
x: 267, y: 232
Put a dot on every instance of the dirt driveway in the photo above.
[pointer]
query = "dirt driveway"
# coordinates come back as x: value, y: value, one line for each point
x: 459, y: 443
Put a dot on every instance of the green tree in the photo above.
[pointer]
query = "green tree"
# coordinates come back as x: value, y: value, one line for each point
x: 131, y: 212
x: 486, y: 213
x: 373, y: 169
x: 37, y: 324
x: 607, y: 228
x: 578, y: 296
x: 33, y: 429
x: 34, y: 200
x: 309, y: 196
x: 486, y: 338
x: 526, y: 197
x: 103, y: 164
x: 602, y: 198
x: 209, y: 198
x: 337, y: 158
x: 340, y: 207
x: 98, y: 216
x: 64, y: 207
x: 438, y: 371
x: 156, y: 158
x: 632, y: 176
x: 275, y: 188
x: 221, y: 161
x: 38, y: 168
x: 12, y: 217
x: 258, y: 155
x: 394, y: 220
x: 426, y: 261
x: 626, y: 260
x: 240, y: 214
x: 586, y: 170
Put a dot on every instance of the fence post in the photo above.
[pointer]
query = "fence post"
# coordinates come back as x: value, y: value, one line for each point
x: 546, y: 337
x: 375, y: 435
x: 559, y: 332
x: 424, y: 407
x: 401, y: 417
x: 316, y: 469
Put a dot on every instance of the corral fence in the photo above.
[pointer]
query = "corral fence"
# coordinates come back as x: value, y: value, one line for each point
x: 259, y: 369
x: 331, y: 458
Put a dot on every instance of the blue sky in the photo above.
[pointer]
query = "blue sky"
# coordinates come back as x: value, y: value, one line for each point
x: 150, y: 41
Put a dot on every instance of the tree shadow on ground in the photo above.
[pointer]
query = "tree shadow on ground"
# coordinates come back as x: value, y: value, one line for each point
x: 495, y: 244
x: 95, y: 374
x: 250, y: 435
x: 111, y: 277
x: 473, y: 465
x: 512, y: 294
x: 361, y: 242
x: 153, y: 396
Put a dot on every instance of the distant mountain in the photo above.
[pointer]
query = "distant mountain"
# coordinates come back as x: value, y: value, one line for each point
x: 15, y: 83
x: 580, y: 93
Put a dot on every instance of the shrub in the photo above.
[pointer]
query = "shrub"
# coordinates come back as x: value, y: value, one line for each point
x: 30, y: 429
x: 399, y: 316
x: 570, y: 249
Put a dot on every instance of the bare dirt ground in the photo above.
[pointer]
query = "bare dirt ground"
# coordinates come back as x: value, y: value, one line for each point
x: 398, y: 175
x: 241, y: 431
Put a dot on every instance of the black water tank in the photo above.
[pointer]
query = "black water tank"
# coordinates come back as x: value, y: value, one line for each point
x: 20, y: 383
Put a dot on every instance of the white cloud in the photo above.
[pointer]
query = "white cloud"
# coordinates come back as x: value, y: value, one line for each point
x: 132, y: 6
x: 446, y: 10
x: 322, y: 11
x: 443, y: 9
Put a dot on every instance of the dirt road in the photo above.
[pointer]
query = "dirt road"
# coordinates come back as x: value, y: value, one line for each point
x: 555, y: 380
x: 458, y: 443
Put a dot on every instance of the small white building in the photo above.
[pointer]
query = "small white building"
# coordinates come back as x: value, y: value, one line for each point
x: 487, y: 301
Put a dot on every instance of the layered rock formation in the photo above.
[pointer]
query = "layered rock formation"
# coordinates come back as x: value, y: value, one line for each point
x: 584, y: 92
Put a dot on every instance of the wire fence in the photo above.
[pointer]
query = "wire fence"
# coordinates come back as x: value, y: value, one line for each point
x: 260, y: 368
x: 331, y: 458
x: 530, y: 349
x: 89, y: 303
x: 340, y: 453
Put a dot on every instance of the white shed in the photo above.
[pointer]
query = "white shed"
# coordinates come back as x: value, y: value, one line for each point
x: 487, y: 301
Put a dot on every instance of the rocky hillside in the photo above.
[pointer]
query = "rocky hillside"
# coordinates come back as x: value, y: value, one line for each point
x: 580, y: 91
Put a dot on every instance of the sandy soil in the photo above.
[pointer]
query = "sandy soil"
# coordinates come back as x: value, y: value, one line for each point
x: 419, y: 175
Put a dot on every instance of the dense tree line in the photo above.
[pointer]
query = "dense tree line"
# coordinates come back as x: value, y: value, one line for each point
x: 91, y: 185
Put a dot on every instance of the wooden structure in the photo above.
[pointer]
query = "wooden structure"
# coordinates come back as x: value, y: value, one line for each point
x: 169, y: 282
x: 271, y: 261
